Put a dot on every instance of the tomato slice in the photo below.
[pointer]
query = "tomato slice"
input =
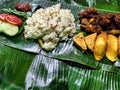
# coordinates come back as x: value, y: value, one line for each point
x: 12, y: 19
x: 3, y: 16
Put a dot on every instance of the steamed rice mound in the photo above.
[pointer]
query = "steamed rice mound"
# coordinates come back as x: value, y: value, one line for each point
x: 51, y: 25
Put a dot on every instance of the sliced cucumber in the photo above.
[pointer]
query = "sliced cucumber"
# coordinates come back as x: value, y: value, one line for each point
x: 8, y: 29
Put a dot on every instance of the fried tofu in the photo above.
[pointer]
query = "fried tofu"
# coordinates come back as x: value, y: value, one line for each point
x: 79, y: 40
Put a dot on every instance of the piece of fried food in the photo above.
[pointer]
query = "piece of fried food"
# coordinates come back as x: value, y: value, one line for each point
x: 112, y: 48
x: 40, y: 41
x: 90, y: 41
x: 79, y: 40
x: 119, y: 45
x: 114, y: 31
x: 100, y: 46
x: 93, y: 28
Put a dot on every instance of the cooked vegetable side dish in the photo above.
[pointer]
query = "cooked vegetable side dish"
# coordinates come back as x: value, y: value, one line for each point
x: 50, y: 26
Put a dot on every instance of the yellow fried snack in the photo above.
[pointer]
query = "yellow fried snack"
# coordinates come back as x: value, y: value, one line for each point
x: 112, y: 48
x: 100, y: 46
x: 90, y: 40
x: 119, y: 45
x: 79, y: 40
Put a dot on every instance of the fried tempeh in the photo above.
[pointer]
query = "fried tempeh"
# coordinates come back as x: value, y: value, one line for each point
x: 90, y: 40
x: 100, y: 46
x: 79, y: 40
x: 112, y: 48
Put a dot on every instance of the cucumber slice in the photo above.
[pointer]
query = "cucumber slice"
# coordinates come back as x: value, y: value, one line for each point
x: 8, y: 29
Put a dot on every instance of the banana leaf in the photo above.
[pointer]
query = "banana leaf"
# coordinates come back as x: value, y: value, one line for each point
x: 101, y: 4
x: 47, y: 74
x: 88, y: 59
x: 37, y: 72
x: 84, y: 79
x: 64, y: 50
x: 14, y: 65
x: 21, y: 70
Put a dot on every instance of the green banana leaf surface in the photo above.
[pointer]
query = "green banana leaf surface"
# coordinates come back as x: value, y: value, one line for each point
x: 101, y: 4
x: 24, y: 65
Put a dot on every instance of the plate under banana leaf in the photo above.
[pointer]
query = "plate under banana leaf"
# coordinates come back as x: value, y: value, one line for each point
x: 64, y: 68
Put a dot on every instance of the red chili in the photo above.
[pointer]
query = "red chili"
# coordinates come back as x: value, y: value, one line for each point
x: 23, y: 7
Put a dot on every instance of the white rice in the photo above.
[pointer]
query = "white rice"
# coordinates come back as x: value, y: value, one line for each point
x: 51, y: 25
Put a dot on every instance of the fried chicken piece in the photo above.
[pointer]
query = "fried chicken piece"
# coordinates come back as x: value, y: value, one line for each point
x: 93, y: 28
x: 113, y: 31
x: 92, y: 21
x: 84, y: 21
x: 116, y: 21
x: 88, y: 13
